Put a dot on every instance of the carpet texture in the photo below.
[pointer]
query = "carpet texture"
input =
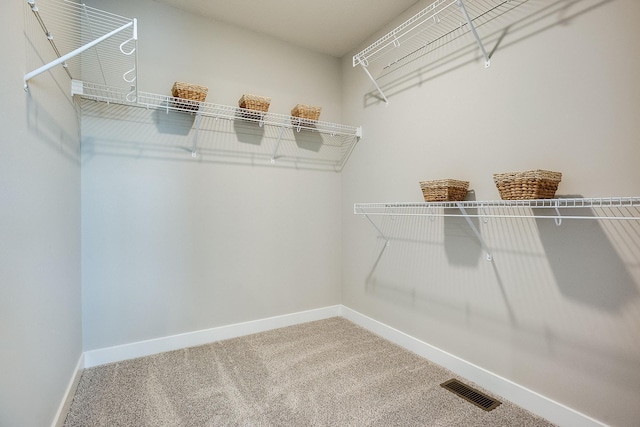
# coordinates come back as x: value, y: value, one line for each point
x: 325, y: 373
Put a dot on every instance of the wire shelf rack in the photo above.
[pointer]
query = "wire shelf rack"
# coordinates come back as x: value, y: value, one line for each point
x: 91, y: 44
x: 610, y: 208
x: 331, y: 147
x: 438, y: 23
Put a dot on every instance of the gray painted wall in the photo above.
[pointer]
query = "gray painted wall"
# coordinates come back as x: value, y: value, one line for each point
x: 173, y: 244
x: 558, y: 310
x: 40, y: 314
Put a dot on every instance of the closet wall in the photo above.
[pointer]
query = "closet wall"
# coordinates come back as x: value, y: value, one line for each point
x: 558, y: 310
x: 40, y: 314
x: 173, y: 244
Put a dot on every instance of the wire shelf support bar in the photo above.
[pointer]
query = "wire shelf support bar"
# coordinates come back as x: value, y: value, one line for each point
x: 194, y: 153
x: 375, y: 83
x: 77, y: 27
x: 476, y: 232
x: 487, y: 59
x: 386, y: 239
x: 275, y: 152
x: 64, y: 58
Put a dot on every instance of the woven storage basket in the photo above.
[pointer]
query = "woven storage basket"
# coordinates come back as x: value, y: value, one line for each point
x: 444, y: 190
x: 305, y: 111
x: 254, y: 102
x: 189, y: 92
x: 533, y: 184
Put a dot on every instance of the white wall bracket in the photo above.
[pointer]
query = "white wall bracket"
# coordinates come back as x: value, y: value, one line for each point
x: 386, y: 239
x: 194, y: 153
x: 273, y: 157
x: 475, y: 231
x: 384, y: 98
x: 463, y: 9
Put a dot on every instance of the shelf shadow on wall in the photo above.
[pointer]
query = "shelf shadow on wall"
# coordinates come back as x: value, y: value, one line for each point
x: 461, y: 246
x: 49, y: 130
x: 412, y: 269
x: 587, y: 267
x: 459, y: 49
x: 248, y: 132
x: 44, y: 108
x: 534, y: 317
x: 423, y: 253
x: 308, y: 140
x: 173, y: 122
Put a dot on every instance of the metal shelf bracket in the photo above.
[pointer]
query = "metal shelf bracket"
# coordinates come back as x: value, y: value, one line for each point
x: 273, y: 157
x: 366, y: 70
x: 386, y: 239
x: 475, y: 231
x: 463, y: 9
x: 194, y: 154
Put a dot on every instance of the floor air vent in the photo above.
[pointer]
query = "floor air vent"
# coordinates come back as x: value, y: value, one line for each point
x: 470, y: 394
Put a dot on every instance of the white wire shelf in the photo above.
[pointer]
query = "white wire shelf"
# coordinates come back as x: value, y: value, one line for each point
x: 610, y: 208
x: 91, y: 44
x: 340, y: 138
x: 439, y: 22
x: 607, y: 208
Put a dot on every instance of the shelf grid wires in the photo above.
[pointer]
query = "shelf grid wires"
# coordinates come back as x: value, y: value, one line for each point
x: 69, y: 26
x: 318, y: 142
x: 609, y: 208
x: 440, y: 23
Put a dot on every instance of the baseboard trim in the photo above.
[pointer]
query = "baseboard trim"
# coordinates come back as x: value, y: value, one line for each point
x: 190, y: 339
x: 58, y: 420
x: 547, y: 408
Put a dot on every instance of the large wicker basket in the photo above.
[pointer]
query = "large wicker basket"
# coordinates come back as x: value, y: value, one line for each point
x: 526, y: 185
x: 307, y: 112
x: 255, y: 102
x: 194, y: 94
x: 444, y: 190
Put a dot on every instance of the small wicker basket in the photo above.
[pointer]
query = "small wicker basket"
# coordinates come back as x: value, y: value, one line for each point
x: 254, y: 102
x: 307, y: 112
x: 444, y: 190
x: 190, y: 92
x: 527, y: 185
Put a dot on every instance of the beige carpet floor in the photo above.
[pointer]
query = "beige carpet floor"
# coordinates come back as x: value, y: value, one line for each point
x: 325, y: 373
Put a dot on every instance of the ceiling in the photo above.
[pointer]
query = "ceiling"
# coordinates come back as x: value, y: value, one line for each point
x: 334, y: 27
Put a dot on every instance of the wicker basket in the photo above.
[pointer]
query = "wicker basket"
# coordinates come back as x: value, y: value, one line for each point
x: 189, y: 92
x: 444, y: 190
x: 255, y: 103
x: 527, y: 185
x: 307, y: 112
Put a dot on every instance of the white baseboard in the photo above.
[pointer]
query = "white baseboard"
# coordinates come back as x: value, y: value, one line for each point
x: 549, y: 409
x: 58, y: 420
x: 191, y: 339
